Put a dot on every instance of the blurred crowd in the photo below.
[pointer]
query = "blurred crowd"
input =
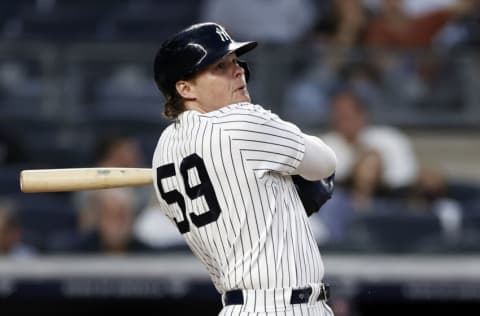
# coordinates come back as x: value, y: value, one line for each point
x: 348, y: 70
x: 76, y: 91
x: 109, y: 221
x: 385, y: 199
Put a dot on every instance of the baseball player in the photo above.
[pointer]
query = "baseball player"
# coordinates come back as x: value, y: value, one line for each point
x: 223, y: 174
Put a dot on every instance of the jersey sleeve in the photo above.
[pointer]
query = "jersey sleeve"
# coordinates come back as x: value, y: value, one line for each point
x: 263, y: 140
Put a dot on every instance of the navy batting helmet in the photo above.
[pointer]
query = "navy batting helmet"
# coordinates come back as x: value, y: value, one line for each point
x: 192, y: 49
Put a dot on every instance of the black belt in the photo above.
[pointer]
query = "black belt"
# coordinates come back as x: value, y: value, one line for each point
x: 299, y: 296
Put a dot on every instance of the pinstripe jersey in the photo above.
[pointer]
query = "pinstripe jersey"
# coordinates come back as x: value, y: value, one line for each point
x: 223, y: 178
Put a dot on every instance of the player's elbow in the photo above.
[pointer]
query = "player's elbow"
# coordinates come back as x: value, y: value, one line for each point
x: 330, y: 163
x: 324, y: 169
x: 319, y: 161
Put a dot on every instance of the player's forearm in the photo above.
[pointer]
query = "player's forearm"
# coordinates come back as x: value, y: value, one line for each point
x: 319, y: 160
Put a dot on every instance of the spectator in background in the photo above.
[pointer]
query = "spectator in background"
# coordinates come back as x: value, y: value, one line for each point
x: 395, y: 28
x: 431, y: 195
x: 280, y: 21
x: 365, y: 182
x: 363, y: 192
x: 111, y: 150
x: 112, y: 232
x: 415, y: 76
x: 345, y: 25
x: 279, y: 25
x: 472, y: 27
x: 336, y: 54
x: 416, y: 8
x: 11, y: 244
x: 157, y: 230
x: 352, y: 134
x: 120, y: 151
x: 412, y: 7
x: 464, y: 32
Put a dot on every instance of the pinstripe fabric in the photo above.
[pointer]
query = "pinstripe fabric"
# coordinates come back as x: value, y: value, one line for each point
x: 261, y: 238
x: 318, y: 309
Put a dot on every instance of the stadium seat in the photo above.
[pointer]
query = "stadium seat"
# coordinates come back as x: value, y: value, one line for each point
x: 155, y: 20
x: 468, y: 194
x: 43, y: 214
x: 7, y: 9
x: 22, y: 87
x: 394, y: 232
x: 471, y: 222
x: 9, y: 179
x: 65, y: 24
x: 45, y: 143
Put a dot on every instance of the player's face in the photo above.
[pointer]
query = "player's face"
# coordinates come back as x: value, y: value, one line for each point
x: 220, y: 84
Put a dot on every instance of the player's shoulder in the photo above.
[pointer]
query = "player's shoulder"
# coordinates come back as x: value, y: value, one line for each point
x: 243, y: 111
x: 246, y: 120
x: 167, y: 132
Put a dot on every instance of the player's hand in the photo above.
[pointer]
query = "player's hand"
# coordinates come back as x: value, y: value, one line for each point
x: 314, y: 194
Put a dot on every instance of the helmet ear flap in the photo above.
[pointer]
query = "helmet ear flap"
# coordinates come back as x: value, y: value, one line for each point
x: 244, y: 65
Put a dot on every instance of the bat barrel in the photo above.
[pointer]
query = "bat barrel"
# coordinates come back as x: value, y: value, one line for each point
x: 75, y: 179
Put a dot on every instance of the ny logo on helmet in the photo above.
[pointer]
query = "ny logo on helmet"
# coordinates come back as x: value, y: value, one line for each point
x: 223, y: 35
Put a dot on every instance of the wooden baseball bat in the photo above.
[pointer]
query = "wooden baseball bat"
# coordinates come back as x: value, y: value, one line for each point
x: 75, y: 179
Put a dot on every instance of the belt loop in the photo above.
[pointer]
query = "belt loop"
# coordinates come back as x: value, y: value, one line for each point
x: 287, y: 295
x: 315, y: 293
x: 325, y: 292
x: 223, y: 299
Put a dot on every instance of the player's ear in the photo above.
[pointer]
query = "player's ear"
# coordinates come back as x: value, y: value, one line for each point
x: 185, y: 89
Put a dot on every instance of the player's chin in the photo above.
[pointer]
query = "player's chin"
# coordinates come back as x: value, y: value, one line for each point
x: 241, y: 96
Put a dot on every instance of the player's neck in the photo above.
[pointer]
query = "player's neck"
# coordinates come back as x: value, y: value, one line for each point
x: 195, y: 107
x: 198, y: 107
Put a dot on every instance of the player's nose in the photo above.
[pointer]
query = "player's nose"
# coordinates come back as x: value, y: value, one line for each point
x: 238, y: 70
